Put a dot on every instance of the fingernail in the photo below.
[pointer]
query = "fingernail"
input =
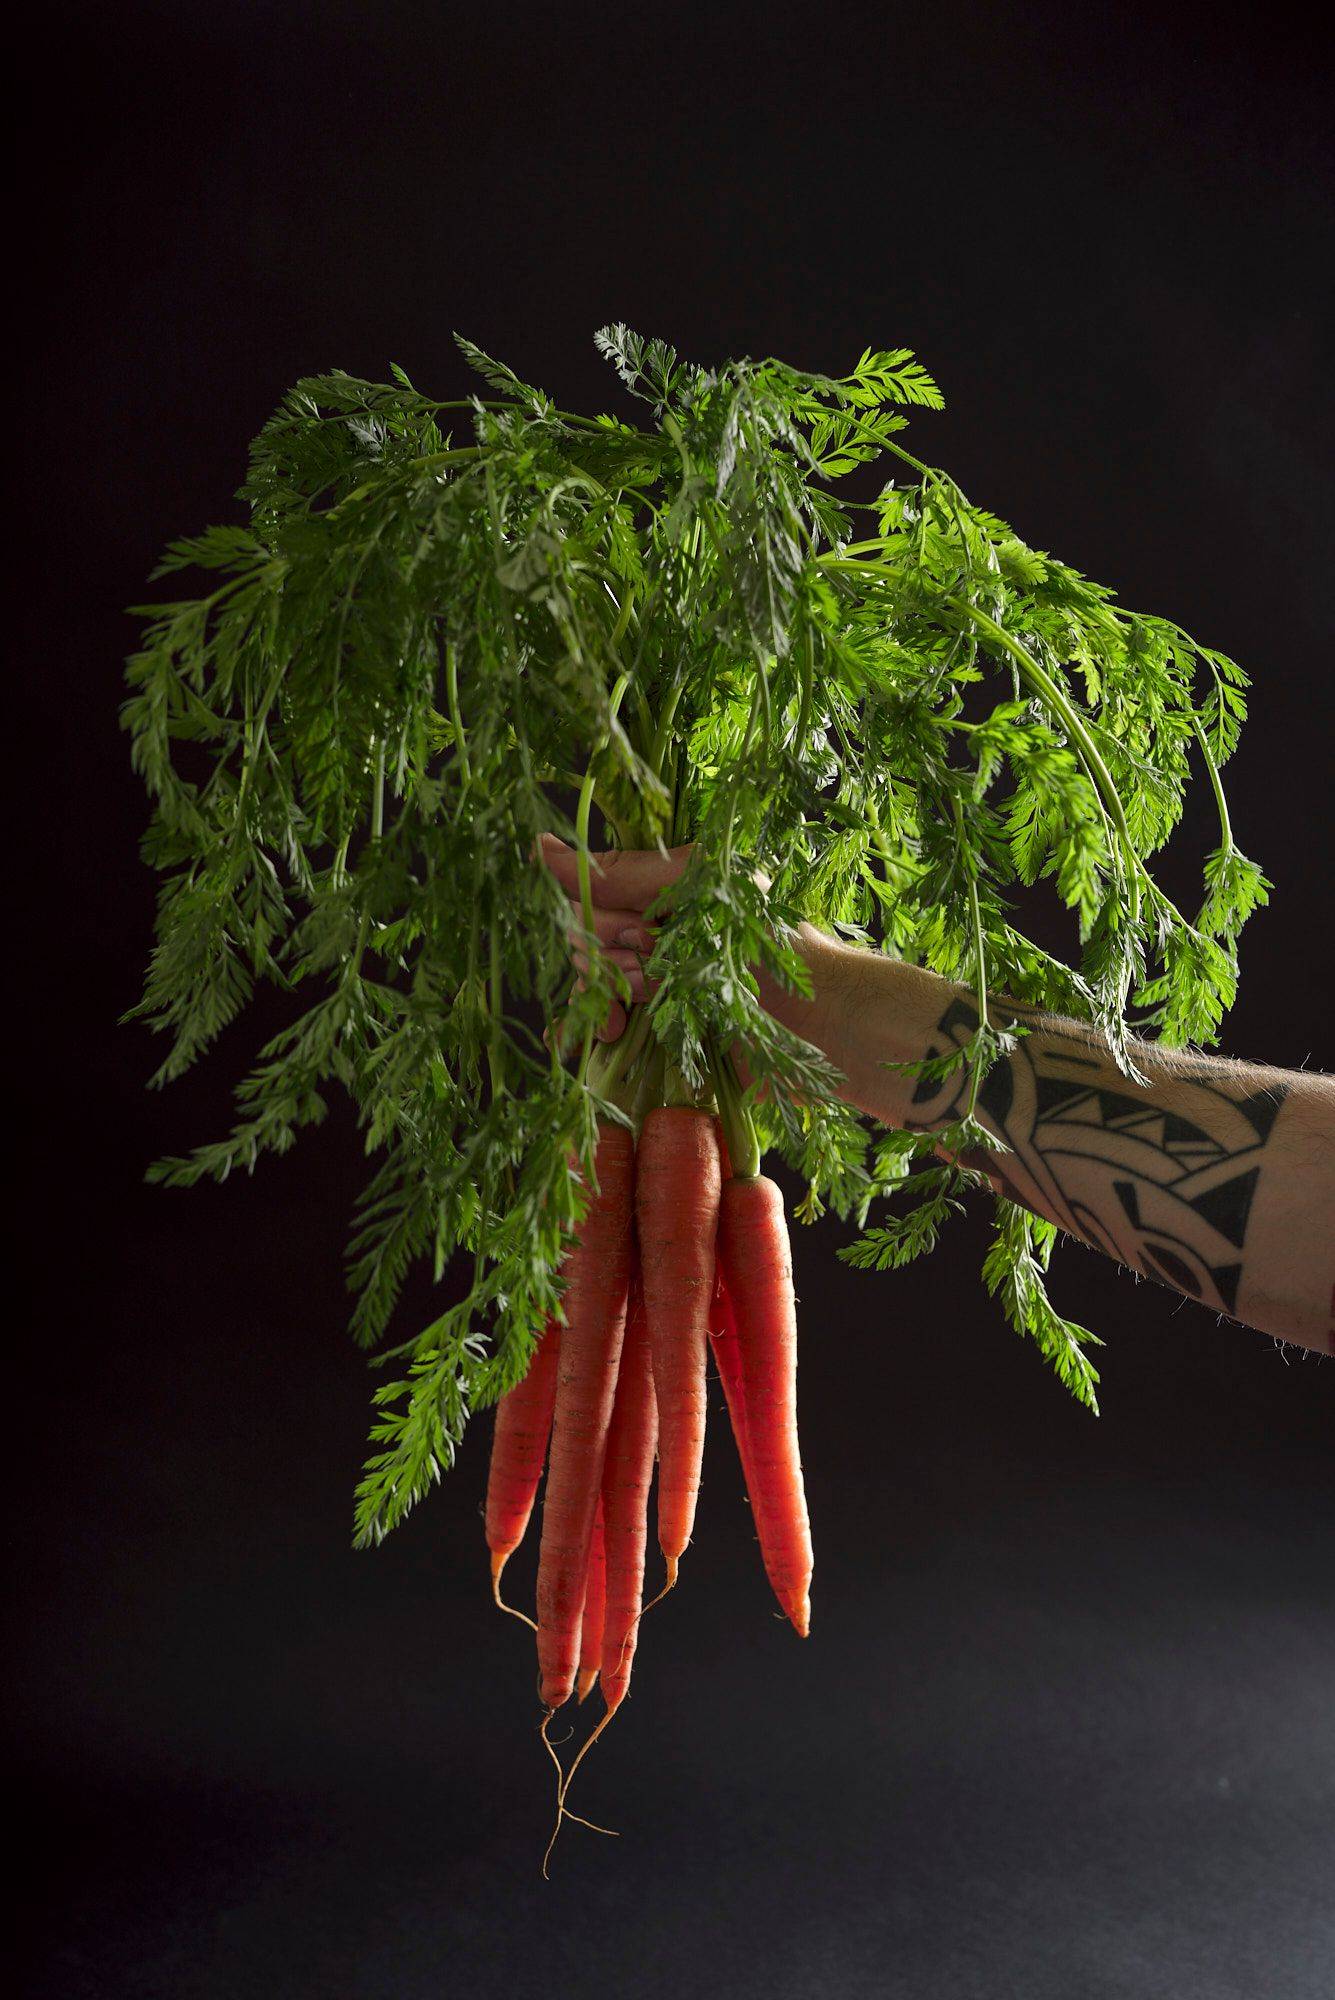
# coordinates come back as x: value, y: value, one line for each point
x: 635, y: 940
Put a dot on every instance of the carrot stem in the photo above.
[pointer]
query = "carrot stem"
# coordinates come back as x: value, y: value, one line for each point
x: 583, y: 815
x: 739, y: 1132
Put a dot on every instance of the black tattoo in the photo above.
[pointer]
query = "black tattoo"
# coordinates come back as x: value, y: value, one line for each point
x: 1167, y: 1192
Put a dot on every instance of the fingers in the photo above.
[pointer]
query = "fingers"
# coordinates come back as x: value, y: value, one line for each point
x: 625, y: 883
x: 615, y: 1024
x: 628, y: 963
x: 625, y: 880
x: 615, y: 930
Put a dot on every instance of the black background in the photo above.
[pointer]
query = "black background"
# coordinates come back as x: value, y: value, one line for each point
x: 1065, y: 1723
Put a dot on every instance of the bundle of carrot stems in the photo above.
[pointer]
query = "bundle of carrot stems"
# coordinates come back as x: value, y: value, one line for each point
x: 682, y: 1254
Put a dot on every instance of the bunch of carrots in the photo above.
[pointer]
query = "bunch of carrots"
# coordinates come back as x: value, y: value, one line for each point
x: 676, y: 1258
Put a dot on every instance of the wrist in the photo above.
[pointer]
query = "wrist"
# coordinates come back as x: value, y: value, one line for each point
x: 879, y: 1012
x: 865, y: 1010
x: 839, y: 1014
x: 818, y: 1016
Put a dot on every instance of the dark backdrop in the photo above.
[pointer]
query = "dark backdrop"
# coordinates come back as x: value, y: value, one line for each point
x: 1065, y: 1724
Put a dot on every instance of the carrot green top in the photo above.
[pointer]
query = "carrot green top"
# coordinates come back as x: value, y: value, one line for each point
x: 752, y: 621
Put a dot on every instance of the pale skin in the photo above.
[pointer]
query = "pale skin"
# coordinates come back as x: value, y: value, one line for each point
x: 1214, y: 1177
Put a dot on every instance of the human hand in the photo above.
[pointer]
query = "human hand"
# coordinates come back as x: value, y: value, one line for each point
x: 627, y: 882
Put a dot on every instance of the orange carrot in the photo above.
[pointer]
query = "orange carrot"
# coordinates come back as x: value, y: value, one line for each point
x: 727, y: 1355
x: 597, y: 1273
x: 677, y: 1181
x: 628, y: 1473
x: 595, y: 1604
x: 723, y: 1337
x: 758, y: 1271
x: 519, y: 1446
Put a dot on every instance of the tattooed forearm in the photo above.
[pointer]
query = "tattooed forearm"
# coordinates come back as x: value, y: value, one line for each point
x: 1162, y: 1175
x: 1215, y: 1177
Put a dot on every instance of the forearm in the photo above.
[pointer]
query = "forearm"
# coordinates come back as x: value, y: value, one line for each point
x: 1214, y: 1177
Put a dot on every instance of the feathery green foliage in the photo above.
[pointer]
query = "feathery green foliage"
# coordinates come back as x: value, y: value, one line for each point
x: 441, y: 621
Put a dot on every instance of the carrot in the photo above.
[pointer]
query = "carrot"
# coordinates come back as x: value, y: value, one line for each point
x: 595, y: 1605
x: 757, y: 1265
x: 518, y: 1448
x: 597, y: 1273
x: 628, y: 1472
x: 727, y: 1353
x: 723, y: 1338
x: 627, y: 1476
x: 677, y: 1182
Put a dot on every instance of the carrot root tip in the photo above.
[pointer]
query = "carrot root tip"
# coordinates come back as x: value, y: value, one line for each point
x: 669, y: 1583
x: 799, y: 1613
x: 562, y: 1810
x: 585, y: 1685
x: 498, y: 1562
x: 560, y: 1787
